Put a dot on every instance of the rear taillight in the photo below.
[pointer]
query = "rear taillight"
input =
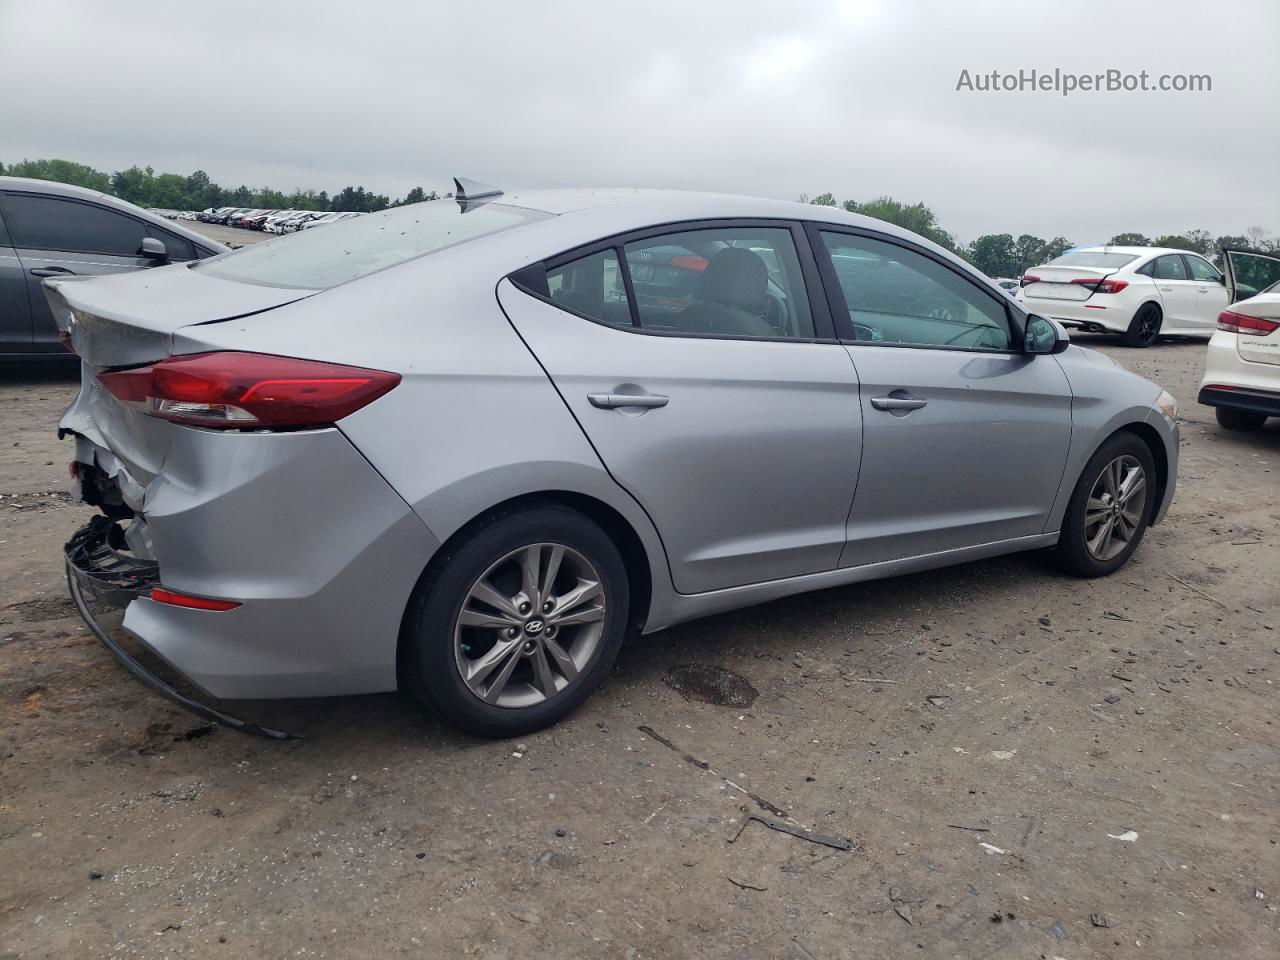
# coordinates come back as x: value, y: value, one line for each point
x: 248, y: 391
x: 1028, y: 278
x: 1239, y: 323
x: 1106, y: 285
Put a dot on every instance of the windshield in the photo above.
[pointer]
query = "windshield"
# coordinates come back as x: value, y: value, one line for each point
x: 1092, y: 258
x: 358, y: 246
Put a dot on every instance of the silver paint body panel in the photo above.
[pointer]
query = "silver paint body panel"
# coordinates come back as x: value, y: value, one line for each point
x: 768, y: 473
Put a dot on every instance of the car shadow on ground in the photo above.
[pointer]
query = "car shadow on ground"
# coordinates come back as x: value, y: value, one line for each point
x: 851, y: 621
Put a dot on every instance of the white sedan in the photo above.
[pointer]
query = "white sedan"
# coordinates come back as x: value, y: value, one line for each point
x: 1242, y: 370
x: 1140, y: 293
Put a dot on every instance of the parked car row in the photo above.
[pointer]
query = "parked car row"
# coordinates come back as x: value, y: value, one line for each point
x: 271, y: 221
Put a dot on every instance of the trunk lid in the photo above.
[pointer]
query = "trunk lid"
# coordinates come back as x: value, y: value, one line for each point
x: 1255, y: 347
x: 1055, y: 283
x: 130, y: 318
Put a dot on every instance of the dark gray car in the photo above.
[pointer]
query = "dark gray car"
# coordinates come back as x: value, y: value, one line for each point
x: 56, y: 230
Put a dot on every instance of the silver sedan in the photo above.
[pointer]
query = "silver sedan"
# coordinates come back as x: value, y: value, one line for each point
x: 466, y: 446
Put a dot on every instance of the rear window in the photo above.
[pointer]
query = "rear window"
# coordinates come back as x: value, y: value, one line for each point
x: 1092, y: 258
x: 358, y: 246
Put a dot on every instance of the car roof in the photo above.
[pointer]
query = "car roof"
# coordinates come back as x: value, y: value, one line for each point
x: 637, y: 207
x: 51, y: 188
x: 1136, y: 251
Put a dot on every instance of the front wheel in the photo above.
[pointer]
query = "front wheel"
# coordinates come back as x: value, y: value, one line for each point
x: 1110, y: 508
x: 519, y: 623
x: 1144, y: 328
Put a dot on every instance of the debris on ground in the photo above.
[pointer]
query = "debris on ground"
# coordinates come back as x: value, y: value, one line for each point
x: 689, y: 758
x: 783, y: 826
x: 1099, y: 920
x: 1057, y: 931
x: 1129, y: 836
x: 991, y: 848
x: 745, y: 885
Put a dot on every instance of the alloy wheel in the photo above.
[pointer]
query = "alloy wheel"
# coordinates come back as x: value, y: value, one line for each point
x: 1114, y: 511
x: 1148, y: 325
x: 529, y: 625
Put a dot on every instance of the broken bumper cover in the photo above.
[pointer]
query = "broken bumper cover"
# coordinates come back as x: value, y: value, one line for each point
x: 97, y: 570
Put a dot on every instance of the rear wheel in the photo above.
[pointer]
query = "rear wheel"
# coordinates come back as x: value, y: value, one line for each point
x: 1144, y: 328
x: 1246, y: 420
x: 1109, y: 509
x: 519, y: 623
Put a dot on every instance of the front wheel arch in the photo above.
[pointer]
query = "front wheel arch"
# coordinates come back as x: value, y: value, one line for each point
x: 1151, y: 438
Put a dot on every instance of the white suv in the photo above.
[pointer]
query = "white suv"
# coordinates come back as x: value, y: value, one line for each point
x: 1138, y: 292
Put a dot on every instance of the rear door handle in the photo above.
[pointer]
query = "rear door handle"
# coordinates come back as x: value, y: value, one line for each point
x: 52, y: 272
x: 611, y: 401
x: 898, y: 403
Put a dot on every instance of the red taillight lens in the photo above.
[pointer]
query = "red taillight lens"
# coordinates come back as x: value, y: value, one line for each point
x: 64, y: 338
x: 1107, y: 285
x: 248, y: 391
x: 1239, y: 323
x: 175, y: 599
x: 1028, y: 278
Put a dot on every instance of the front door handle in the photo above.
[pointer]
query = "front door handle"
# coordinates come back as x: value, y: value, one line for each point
x: 52, y: 272
x: 611, y: 401
x: 898, y: 403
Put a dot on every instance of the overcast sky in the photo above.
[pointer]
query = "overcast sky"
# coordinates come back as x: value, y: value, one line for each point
x: 774, y: 99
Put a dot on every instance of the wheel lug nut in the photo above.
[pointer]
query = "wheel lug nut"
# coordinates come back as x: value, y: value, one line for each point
x: 525, y: 607
x: 548, y: 606
x: 512, y: 633
x: 551, y: 630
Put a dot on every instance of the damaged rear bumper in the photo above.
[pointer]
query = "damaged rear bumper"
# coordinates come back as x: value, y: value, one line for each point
x: 99, y: 570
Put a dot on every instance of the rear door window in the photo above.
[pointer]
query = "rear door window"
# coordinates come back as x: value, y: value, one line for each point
x: 721, y: 281
x: 52, y: 223
x: 1169, y: 267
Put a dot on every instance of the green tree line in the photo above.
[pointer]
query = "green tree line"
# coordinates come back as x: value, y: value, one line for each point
x: 1003, y: 255
x: 196, y: 191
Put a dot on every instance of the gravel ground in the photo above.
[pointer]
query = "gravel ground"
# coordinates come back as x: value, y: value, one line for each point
x: 1027, y: 765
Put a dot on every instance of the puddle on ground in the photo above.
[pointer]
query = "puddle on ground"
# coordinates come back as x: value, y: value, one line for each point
x: 711, y: 684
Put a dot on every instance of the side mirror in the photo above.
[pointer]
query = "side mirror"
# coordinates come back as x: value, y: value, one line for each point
x: 1045, y: 336
x: 153, y: 249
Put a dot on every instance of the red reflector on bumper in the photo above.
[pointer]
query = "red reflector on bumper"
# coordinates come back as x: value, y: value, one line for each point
x: 160, y: 595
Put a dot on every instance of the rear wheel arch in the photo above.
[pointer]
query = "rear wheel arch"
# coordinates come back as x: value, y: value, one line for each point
x: 618, y: 529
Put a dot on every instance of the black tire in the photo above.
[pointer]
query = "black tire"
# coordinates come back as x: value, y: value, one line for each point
x: 1144, y: 328
x: 1245, y: 420
x: 429, y: 654
x: 1072, y: 552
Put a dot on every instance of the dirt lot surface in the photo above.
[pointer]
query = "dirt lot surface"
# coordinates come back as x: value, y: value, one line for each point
x: 1029, y: 766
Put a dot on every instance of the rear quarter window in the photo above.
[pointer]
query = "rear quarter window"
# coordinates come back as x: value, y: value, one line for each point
x: 358, y: 246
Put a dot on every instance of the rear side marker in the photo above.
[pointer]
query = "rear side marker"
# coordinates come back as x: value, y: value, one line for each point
x: 175, y: 599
